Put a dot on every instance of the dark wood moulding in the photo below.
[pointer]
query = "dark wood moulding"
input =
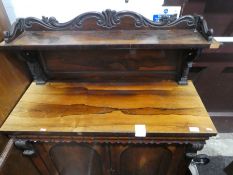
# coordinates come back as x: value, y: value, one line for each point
x: 109, y: 32
x: 108, y: 20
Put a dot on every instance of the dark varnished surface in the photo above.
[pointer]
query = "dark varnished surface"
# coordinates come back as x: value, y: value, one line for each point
x: 104, y: 159
x: 111, y: 60
x: 109, y: 39
x: 109, y: 108
x: 112, y: 65
x: 88, y: 161
x: 133, y: 161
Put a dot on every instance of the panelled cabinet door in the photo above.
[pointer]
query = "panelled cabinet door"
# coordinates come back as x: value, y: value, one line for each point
x: 149, y: 160
x: 108, y: 159
x: 73, y: 158
x: 143, y: 159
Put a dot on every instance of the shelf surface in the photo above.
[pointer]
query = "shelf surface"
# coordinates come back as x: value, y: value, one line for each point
x: 163, y: 107
x: 151, y: 39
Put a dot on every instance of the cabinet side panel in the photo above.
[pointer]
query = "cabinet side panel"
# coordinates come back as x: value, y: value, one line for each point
x: 14, y: 79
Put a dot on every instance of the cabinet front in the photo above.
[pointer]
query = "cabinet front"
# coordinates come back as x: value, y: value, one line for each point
x: 105, y: 159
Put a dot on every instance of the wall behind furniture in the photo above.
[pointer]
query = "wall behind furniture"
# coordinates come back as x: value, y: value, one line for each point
x: 213, y: 72
x: 65, y: 10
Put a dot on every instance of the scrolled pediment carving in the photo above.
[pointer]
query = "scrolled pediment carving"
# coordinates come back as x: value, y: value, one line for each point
x: 107, y: 19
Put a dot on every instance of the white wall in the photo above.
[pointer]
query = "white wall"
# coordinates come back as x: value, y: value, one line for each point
x: 65, y: 10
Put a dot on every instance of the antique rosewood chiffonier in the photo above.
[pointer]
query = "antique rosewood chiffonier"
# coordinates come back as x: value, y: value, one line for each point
x: 110, y: 94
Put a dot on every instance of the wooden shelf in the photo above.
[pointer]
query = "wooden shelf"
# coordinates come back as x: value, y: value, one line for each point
x: 114, y: 109
x: 127, y: 39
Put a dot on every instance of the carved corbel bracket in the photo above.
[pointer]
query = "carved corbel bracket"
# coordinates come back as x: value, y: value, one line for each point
x: 187, y: 64
x: 202, y: 28
x: 26, y: 146
x: 35, y: 68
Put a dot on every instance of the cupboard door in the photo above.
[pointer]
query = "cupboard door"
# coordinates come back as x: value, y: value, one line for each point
x: 148, y: 159
x: 145, y: 160
x: 104, y: 159
x: 73, y: 158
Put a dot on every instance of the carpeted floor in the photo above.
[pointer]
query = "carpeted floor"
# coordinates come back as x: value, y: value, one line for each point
x: 218, y: 165
x: 220, y: 151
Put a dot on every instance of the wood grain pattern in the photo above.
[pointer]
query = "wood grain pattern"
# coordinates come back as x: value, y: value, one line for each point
x: 14, y: 80
x: 133, y: 161
x: 178, y: 38
x: 110, y: 60
x: 77, y: 159
x: 109, y: 108
x: 72, y: 158
x: 98, y: 65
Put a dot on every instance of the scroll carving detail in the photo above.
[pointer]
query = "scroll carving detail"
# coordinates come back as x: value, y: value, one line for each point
x: 107, y: 19
x: 202, y: 28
